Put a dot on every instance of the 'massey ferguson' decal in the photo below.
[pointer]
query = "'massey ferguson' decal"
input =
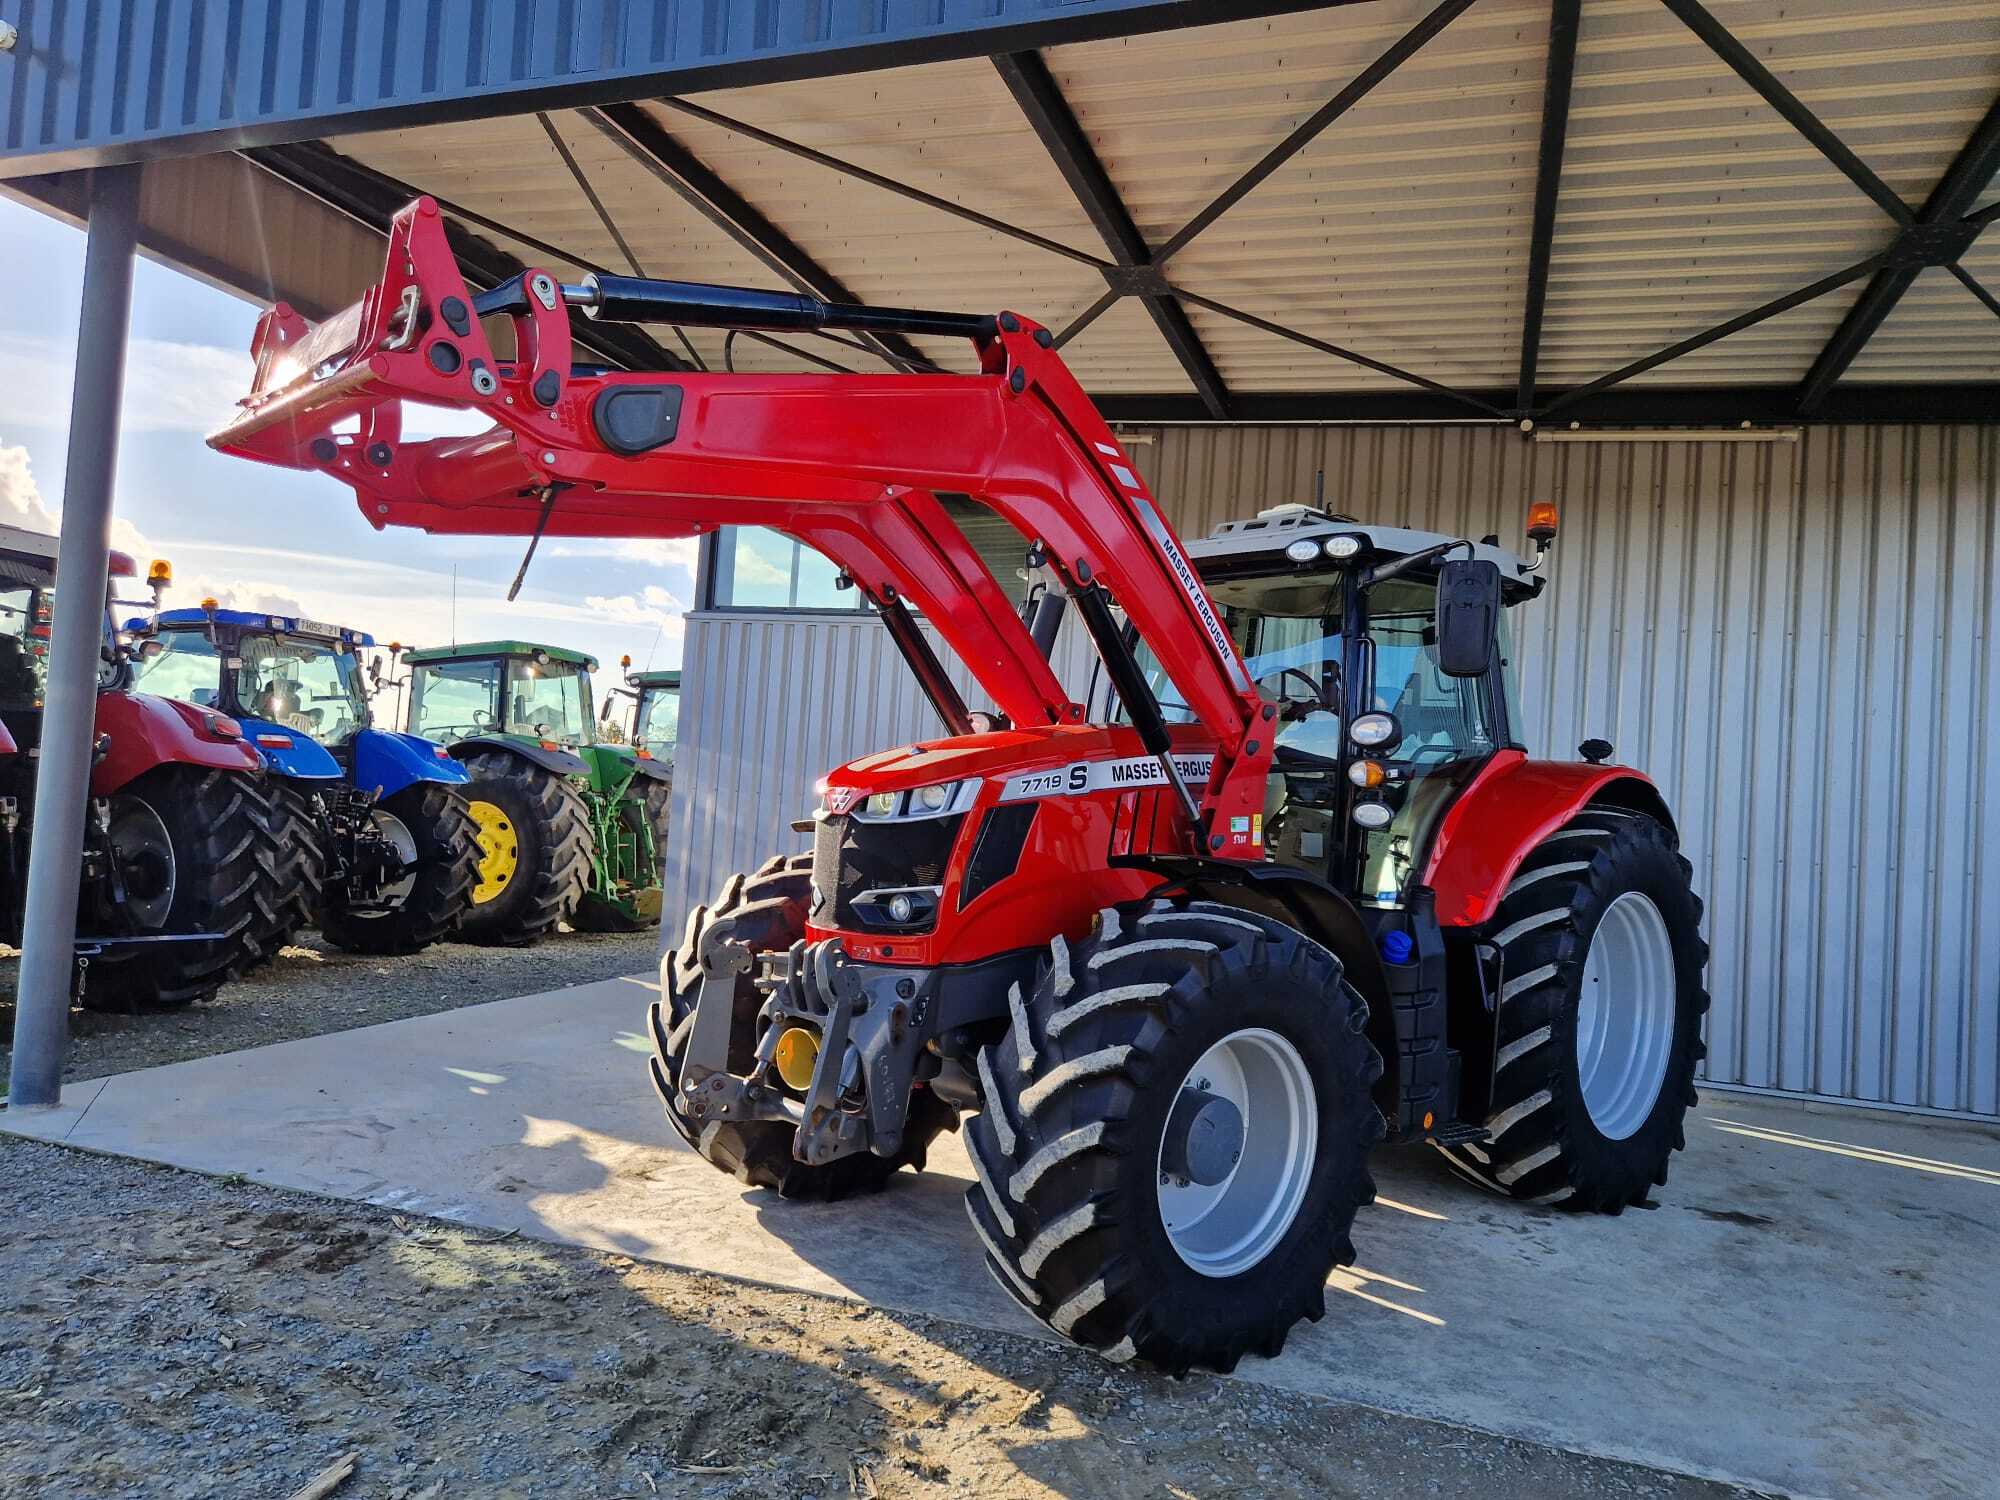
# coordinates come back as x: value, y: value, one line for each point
x: 1225, y: 648
x: 1105, y: 775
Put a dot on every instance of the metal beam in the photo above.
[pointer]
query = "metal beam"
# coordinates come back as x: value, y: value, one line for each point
x: 1625, y: 406
x: 1265, y: 325
x: 1956, y: 191
x: 1404, y: 48
x: 372, y: 198
x: 69, y: 714
x: 1557, y: 82
x: 876, y: 179
x: 1971, y: 283
x: 1723, y: 43
x: 642, y: 138
x: 1702, y: 340
x: 1041, y: 101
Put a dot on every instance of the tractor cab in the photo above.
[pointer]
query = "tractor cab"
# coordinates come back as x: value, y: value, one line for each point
x: 298, y: 682
x: 1388, y: 656
x: 656, y: 719
x: 501, y: 687
x: 27, y: 611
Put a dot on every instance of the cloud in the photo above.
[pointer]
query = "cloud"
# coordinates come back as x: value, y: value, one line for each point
x: 169, y: 386
x: 21, y: 502
x: 659, y: 552
x: 652, y: 605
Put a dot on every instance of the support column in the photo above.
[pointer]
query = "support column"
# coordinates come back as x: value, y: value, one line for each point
x: 69, y: 714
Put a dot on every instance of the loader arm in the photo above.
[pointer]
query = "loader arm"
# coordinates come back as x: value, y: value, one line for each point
x: 851, y: 465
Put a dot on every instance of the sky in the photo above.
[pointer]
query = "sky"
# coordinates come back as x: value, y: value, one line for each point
x: 261, y: 538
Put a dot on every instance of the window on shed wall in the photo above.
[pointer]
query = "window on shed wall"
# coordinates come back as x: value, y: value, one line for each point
x: 759, y: 569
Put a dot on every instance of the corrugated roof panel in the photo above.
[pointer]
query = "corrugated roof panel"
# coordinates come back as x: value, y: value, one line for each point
x: 508, y: 169
x: 1419, y: 193
x: 1688, y: 200
x: 1939, y: 331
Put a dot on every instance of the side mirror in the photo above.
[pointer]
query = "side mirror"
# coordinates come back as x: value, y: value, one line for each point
x: 1468, y: 617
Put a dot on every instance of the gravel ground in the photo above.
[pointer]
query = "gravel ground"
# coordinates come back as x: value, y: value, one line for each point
x: 163, y: 1334
x: 313, y: 988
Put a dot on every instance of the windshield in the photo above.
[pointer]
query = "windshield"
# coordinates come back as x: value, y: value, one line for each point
x: 24, y: 645
x: 302, y: 684
x: 188, y: 667
x: 550, y: 700
x: 27, y: 607
x: 659, y: 720
x: 452, y: 699
x: 1288, y: 629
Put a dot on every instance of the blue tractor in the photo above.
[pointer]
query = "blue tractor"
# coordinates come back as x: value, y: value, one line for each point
x: 382, y: 851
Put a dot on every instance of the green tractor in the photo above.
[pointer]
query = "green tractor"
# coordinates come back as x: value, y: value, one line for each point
x: 568, y: 828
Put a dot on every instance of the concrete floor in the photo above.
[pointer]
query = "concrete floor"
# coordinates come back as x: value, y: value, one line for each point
x: 1813, y: 1307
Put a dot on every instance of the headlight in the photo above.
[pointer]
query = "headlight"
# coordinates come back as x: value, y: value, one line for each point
x: 931, y: 798
x: 1342, y: 546
x: 936, y: 801
x: 1372, y: 730
x: 1365, y: 773
x: 901, y: 908
x: 883, y: 804
x: 1303, y: 551
x: 1373, y: 814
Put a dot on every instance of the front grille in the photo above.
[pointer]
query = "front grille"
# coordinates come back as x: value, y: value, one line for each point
x: 850, y: 856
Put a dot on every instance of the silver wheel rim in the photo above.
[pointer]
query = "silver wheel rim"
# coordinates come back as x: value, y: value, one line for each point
x: 138, y: 831
x: 1229, y: 1227
x: 1625, y: 1016
x: 397, y: 832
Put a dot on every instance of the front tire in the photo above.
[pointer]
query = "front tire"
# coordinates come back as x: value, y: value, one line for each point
x: 770, y: 911
x: 428, y: 823
x: 196, y: 845
x: 297, y: 844
x: 535, y: 850
x: 1598, y: 1020
x: 1080, y: 1200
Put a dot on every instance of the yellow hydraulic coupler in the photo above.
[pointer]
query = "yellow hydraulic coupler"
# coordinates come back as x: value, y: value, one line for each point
x: 798, y: 1051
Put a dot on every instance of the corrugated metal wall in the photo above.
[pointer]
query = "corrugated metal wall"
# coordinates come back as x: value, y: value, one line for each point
x: 1794, y: 639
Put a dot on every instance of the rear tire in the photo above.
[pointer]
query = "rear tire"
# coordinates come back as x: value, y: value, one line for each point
x: 1595, y: 1056
x: 770, y: 911
x: 535, y: 850
x: 1074, y: 1202
x: 447, y: 851
x: 224, y: 879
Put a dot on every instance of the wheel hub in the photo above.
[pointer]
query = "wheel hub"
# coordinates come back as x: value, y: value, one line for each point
x: 1626, y: 1011
x: 144, y: 851
x: 499, y: 850
x: 1204, y: 1139
x: 1225, y: 1211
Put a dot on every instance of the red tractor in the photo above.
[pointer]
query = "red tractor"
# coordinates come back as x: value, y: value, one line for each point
x: 1182, y: 968
x: 181, y: 850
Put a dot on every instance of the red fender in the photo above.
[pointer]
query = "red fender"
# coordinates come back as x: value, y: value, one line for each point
x: 1504, y: 812
x: 147, y: 731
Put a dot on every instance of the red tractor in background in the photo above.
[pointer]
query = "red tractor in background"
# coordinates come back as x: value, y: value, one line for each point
x: 1183, y: 968
x: 180, y: 854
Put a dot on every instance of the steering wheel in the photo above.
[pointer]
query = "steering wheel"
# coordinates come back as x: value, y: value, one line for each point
x: 482, y: 718
x: 1293, y: 709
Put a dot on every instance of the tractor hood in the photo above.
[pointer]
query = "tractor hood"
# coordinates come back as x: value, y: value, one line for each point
x: 1033, y: 762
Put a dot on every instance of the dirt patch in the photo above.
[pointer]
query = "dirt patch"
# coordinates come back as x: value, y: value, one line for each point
x: 314, y: 988
x: 164, y: 1335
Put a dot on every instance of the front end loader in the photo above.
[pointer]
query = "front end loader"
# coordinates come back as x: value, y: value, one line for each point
x: 1181, y: 965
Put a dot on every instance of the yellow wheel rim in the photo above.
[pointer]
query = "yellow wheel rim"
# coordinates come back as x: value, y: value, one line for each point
x: 499, y: 850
